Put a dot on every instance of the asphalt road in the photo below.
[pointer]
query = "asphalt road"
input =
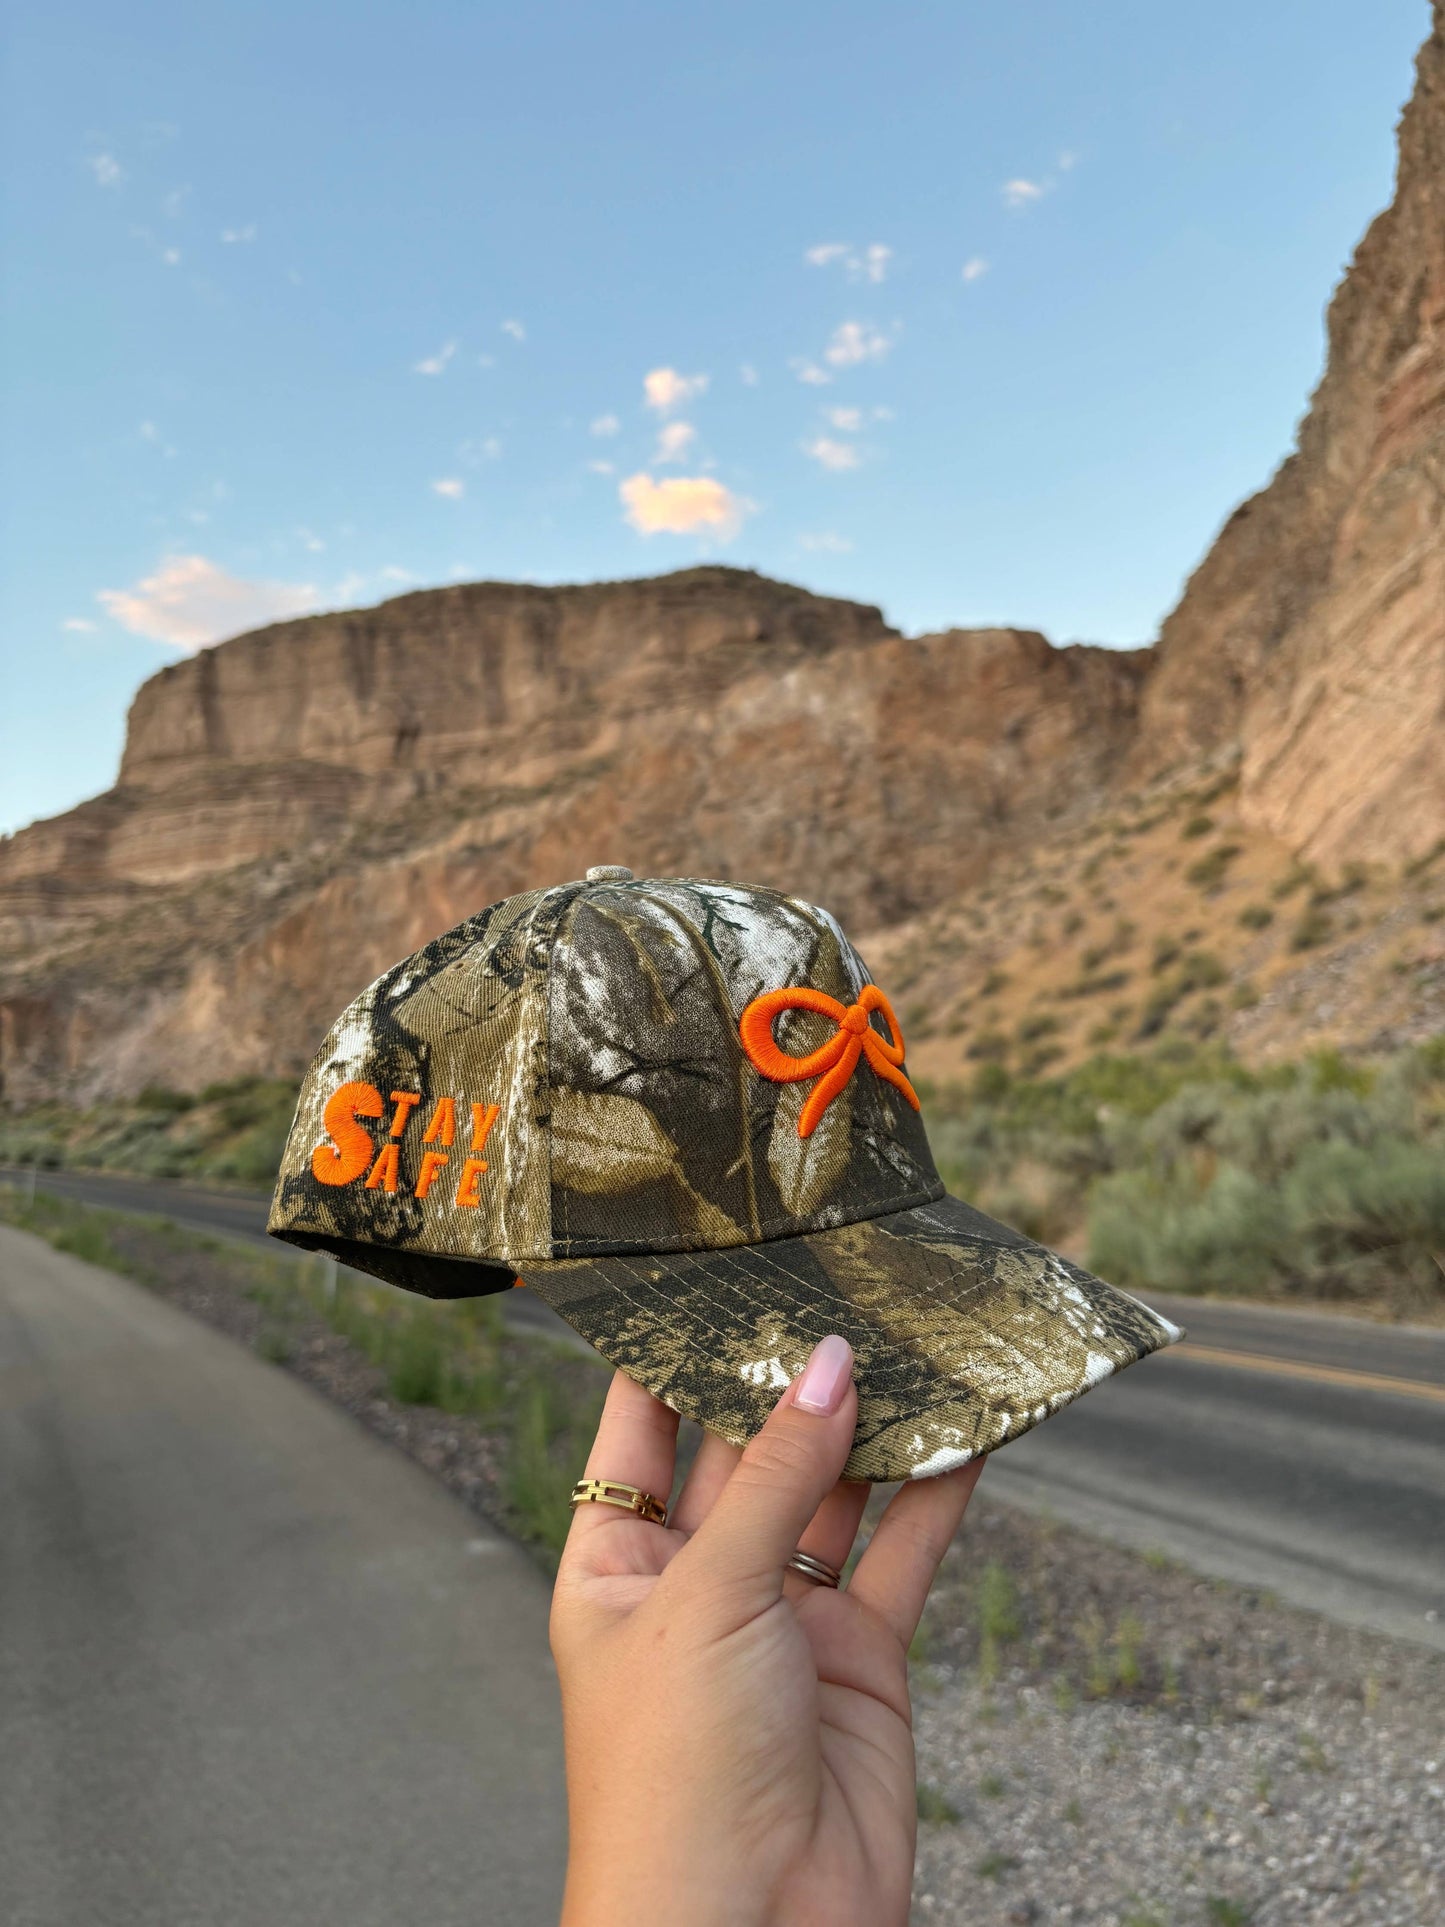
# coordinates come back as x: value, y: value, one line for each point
x: 1300, y: 1453
x: 256, y: 1667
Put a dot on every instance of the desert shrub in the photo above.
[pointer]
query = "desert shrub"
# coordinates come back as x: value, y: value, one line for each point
x: 1196, y: 826
x: 1256, y: 916
x: 1096, y: 984
x: 1145, y: 1232
x: 1209, y: 870
x: 1293, y: 880
x: 1329, y: 1182
x: 1420, y: 864
x: 1039, y: 1024
x: 1312, y: 929
x: 155, y: 1097
x: 1200, y: 970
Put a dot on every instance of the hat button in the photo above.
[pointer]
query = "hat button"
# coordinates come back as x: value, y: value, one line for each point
x: 609, y: 873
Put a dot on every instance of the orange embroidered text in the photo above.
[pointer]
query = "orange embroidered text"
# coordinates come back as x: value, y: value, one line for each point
x: 832, y: 1063
x: 351, y: 1149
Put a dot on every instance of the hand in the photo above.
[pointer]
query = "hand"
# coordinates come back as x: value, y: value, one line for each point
x: 739, y: 1741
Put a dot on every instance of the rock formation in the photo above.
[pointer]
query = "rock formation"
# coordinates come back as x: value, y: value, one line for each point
x: 1313, y: 633
x: 299, y: 807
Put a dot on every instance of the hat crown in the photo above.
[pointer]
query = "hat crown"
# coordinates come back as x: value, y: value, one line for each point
x: 566, y: 1075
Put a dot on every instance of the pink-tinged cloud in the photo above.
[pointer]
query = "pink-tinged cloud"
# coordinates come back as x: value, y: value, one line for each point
x: 682, y: 505
x: 190, y: 601
x: 675, y: 439
x: 665, y: 389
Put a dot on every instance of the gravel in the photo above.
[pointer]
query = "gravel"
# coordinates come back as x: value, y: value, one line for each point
x: 1241, y: 1762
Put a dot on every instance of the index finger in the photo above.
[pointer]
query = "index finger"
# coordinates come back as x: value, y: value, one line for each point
x: 636, y: 1444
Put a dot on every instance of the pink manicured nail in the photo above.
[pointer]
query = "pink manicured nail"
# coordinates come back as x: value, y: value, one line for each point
x: 824, y: 1379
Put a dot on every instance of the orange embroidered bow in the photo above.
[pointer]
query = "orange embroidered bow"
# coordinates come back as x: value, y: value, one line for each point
x: 832, y: 1063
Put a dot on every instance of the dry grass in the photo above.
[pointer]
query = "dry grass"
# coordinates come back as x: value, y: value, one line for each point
x: 1170, y: 919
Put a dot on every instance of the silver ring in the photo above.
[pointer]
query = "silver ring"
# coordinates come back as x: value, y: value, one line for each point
x: 818, y: 1570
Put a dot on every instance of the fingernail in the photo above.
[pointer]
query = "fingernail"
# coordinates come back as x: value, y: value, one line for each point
x: 824, y: 1379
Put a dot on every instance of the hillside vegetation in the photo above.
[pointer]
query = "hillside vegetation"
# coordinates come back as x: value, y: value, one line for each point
x: 1178, y: 1168
x: 1169, y: 920
x: 1322, y: 1179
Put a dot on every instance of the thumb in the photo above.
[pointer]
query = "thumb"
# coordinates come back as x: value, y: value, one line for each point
x: 781, y: 1479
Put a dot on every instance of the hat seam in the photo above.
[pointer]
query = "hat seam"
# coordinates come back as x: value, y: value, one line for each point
x: 773, y: 1230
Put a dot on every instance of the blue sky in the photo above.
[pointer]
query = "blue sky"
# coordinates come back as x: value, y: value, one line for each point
x: 985, y: 313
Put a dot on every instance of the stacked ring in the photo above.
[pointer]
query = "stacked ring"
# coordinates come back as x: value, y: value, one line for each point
x: 631, y: 1498
x: 818, y: 1570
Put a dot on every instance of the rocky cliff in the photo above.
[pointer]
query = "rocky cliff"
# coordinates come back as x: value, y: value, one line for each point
x: 299, y: 807
x: 1313, y: 633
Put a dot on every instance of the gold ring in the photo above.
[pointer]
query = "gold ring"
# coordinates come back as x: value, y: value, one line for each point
x: 613, y: 1492
x: 818, y: 1570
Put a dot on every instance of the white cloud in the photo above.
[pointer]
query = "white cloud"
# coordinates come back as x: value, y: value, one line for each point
x: 173, y: 204
x: 435, y: 364
x: 515, y: 330
x: 849, y: 420
x: 748, y: 375
x: 856, y: 341
x: 826, y: 541
x: 234, y: 236
x: 391, y: 573
x: 603, y: 468
x: 309, y: 539
x: 860, y: 264
x: 1022, y: 193
x: 171, y: 257
x: 150, y: 433
x: 191, y: 601
x: 604, y: 425
x: 665, y: 389
x: 79, y: 625
x: 682, y: 505
x: 875, y: 262
x: 830, y: 454
x: 974, y: 268
x: 674, y: 440
x: 810, y: 372
x: 474, y: 453
x: 451, y: 486
x: 107, y: 170
x: 1067, y: 160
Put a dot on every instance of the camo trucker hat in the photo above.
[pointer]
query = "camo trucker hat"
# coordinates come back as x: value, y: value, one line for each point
x: 680, y: 1111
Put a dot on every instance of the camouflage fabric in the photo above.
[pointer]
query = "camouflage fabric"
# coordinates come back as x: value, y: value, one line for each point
x: 561, y: 1087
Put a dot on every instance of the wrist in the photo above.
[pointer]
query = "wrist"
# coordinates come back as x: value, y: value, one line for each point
x: 615, y: 1890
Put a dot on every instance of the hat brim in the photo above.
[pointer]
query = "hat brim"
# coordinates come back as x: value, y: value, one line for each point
x: 965, y: 1333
